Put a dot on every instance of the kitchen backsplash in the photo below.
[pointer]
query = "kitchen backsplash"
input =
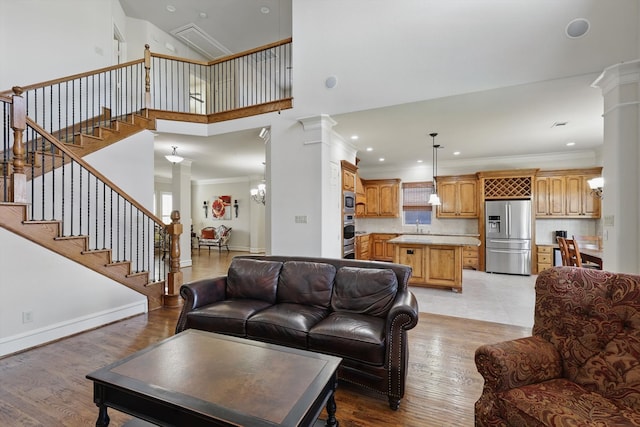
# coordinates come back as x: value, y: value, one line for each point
x: 545, y: 228
x: 394, y: 225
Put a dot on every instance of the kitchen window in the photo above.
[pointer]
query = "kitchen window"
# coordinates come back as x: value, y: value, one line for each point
x: 415, y: 202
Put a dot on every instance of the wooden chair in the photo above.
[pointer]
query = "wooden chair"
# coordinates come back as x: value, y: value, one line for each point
x: 570, y: 252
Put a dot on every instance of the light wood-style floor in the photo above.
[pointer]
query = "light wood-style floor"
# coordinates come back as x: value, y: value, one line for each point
x: 46, y: 386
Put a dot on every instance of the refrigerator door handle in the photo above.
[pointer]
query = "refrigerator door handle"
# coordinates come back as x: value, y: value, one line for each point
x: 509, y: 219
x: 508, y: 251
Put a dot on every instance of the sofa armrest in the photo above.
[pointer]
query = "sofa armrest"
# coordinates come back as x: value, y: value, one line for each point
x: 198, y: 294
x: 404, y: 304
x: 515, y: 363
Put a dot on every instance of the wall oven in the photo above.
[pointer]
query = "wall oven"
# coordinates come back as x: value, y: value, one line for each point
x: 349, y: 236
x: 349, y: 202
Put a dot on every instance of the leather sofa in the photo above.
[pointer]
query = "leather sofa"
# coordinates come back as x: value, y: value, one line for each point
x: 357, y: 310
x: 580, y: 367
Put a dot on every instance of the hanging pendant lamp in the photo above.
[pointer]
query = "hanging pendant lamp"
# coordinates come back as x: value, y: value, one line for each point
x: 434, y: 200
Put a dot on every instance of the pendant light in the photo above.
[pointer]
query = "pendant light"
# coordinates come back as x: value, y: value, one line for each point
x: 434, y: 200
x: 173, y: 157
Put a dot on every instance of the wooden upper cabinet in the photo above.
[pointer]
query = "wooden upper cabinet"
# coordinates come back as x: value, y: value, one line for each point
x: 382, y: 198
x: 566, y: 194
x: 550, y: 196
x: 458, y: 196
x: 349, y: 172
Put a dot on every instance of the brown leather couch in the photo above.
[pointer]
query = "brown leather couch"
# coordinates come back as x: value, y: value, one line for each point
x: 581, y: 367
x: 357, y: 310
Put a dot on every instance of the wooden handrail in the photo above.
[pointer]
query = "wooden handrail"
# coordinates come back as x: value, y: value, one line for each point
x: 73, y: 77
x: 94, y: 171
x: 224, y: 58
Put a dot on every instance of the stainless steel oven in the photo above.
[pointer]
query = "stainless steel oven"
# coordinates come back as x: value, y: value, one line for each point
x: 348, y: 236
x: 349, y: 202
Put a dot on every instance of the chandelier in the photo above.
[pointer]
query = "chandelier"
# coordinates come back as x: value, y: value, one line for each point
x: 434, y: 200
x: 173, y: 157
x: 259, y: 194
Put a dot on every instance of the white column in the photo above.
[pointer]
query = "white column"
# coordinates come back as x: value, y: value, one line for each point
x: 181, y: 195
x: 620, y: 85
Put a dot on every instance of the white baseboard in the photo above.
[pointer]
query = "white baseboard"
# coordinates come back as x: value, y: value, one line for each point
x: 36, y: 337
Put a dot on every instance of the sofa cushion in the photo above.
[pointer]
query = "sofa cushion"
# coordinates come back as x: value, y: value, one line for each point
x: 285, y: 324
x: 364, y: 290
x: 253, y: 279
x: 560, y: 402
x: 226, y: 317
x: 208, y: 233
x: 306, y: 283
x: 350, y: 335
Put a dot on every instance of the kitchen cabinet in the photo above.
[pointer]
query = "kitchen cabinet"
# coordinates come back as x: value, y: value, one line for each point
x: 458, y: 196
x: 380, y: 249
x: 550, y: 196
x: 544, y: 254
x: 470, y: 257
x: 348, y: 176
x: 580, y: 201
x: 566, y: 194
x: 382, y: 198
x: 362, y: 246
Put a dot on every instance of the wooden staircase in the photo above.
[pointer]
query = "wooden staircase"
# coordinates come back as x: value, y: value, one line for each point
x: 13, y: 217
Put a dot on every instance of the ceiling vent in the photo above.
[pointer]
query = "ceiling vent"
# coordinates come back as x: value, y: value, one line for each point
x: 195, y: 37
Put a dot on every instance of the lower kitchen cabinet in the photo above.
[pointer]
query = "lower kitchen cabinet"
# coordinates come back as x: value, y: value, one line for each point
x: 437, y: 266
x: 545, y: 257
x: 362, y: 246
x: 470, y: 257
x: 379, y: 249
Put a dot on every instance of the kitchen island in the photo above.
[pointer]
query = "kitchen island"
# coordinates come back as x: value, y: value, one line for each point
x: 436, y: 260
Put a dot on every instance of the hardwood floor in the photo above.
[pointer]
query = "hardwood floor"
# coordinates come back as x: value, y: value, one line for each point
x: 46, y: 386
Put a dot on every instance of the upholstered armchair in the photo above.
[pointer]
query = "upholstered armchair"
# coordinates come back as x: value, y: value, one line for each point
x: 210, y: 236
x: 580, y: 367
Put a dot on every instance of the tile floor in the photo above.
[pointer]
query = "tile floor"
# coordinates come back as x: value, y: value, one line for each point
x: 500, y: 298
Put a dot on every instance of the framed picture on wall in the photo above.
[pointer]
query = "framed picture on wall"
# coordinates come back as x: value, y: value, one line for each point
x: 221, y: 207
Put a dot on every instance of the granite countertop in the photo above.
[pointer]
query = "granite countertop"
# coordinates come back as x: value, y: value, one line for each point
x: 434, y: 239
x: 419, y: 234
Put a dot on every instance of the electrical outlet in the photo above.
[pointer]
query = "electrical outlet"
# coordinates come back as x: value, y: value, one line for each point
x: 27, y: 316
x: 301, y: 219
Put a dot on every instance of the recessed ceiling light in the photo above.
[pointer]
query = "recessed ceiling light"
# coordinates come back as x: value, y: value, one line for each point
x: 354, y: 137
x: 171, y: 8
x: 369, y: 149
x: 419, y: 161
x: 571, y: 144
x: 203, y: 15
x: 381, y: 159
x: 577, y: 28
x: 265, y: 10
x: 456, y: 153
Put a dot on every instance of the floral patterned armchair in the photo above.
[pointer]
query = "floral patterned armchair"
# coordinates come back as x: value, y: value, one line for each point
x: 210, y: 236
x: 581, y: 367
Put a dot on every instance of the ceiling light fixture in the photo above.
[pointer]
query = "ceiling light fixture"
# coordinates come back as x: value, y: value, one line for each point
x: 259, y: 195
x: 354, y: 137
x: 171, y: 8
x: 173, y: 157
x: 434, y: 200
x: 571, y: 144
x: 265, y: 10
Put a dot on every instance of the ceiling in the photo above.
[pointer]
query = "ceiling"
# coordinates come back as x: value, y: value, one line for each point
x: 491, y: 77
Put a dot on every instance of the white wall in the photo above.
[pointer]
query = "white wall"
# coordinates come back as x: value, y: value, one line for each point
x: 238, y: 190
x: 65, y: 297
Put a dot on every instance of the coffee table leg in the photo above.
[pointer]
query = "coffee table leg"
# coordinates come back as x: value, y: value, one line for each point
x: 103, y: 418
x: 331, y: 412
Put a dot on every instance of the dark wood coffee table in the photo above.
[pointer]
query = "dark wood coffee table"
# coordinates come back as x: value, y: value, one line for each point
x: 198, y: 378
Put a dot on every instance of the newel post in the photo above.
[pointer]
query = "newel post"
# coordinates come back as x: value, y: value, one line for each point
x: 147, y: 79
x: 174, y: 278
x: 18, y: 124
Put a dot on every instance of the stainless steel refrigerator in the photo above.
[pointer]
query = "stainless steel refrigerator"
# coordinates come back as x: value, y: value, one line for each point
x: 508, y: 236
